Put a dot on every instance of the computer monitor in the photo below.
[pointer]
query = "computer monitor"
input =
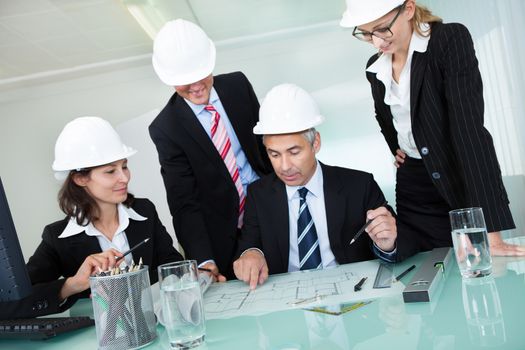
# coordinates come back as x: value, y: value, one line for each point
x: 14, y: 279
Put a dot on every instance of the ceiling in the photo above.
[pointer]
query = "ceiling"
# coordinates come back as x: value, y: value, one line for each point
x: 43, y: 39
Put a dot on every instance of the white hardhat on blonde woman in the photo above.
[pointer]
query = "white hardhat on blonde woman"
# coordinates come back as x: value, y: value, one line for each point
x: 287, y: 108
x: 87, y: 142
x: 360, y: 12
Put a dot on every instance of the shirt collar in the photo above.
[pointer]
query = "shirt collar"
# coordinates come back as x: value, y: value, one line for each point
x: 197, y: 109
x: 124, y: 214
x: 383, y: 65
x: 314, y: 186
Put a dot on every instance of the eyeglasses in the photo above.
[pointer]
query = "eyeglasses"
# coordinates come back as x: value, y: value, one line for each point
x: 382, y: 33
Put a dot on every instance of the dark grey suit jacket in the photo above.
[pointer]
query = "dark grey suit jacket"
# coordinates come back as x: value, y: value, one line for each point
x: 447, y: 111
x: 56, y: 259
x: 202, y: 197
x: 348, y: 195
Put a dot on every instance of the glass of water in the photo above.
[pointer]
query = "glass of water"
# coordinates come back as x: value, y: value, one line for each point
x: 181, y: 299
x: 471, y: 245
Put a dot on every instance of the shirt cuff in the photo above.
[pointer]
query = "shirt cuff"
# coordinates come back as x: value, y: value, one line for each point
x: 257, y: 249
x: 211, y: 261
x: 386, y: 256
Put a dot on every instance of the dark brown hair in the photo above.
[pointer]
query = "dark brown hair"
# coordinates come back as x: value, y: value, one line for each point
x: 76, y: 202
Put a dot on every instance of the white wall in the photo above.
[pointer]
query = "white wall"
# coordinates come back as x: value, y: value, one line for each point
x: 323, y: 59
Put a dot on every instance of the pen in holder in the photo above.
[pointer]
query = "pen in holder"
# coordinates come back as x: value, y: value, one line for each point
x: 123, y: 310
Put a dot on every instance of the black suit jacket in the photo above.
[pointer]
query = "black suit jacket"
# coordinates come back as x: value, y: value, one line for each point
x: 447, y: 111
x: 201, y: 194
x: 348, y: 195
x: 56, y: 259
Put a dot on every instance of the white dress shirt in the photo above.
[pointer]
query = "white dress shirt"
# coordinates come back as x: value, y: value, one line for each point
x: 397, y: 94
x: 316, y: 206
x: 119, y: 241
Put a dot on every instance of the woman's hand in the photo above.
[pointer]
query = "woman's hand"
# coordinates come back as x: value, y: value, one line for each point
x: 498, y: 247
x: 92, y: 264
x: 400, y: 158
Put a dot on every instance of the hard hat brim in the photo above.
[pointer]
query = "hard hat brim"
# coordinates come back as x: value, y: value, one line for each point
x: 261, y: 129
x: 350, y: 20
x: 128, y: 152
x: 174, y: 79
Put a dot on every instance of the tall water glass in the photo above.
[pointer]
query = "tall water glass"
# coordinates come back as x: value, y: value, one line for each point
x: 181, y: 300
x: 471, y: 246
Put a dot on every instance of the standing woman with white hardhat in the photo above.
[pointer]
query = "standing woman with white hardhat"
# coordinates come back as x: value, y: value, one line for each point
x: 103, y: 221
x: 428, y: 99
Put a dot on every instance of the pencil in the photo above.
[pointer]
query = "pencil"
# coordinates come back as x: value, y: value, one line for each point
x: 362, y: 229
x: 132, y: 249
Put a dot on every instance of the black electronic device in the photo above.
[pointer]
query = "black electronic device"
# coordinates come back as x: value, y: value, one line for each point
x: 14, y: 279
x: 42, y: 328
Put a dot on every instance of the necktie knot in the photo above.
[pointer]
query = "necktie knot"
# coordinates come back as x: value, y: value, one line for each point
x: 303, y: 191
x: 210, y: 108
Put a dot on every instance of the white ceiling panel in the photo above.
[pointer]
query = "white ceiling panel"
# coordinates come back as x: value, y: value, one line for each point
x: 41, y: 39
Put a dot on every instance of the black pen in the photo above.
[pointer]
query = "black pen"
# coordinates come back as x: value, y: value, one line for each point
x: 402, y: 274
x: 359, y: 285
x: 132, y: 249
x: 364, y: 226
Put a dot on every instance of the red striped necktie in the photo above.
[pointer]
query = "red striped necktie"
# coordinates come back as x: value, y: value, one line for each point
x: 220, y: 139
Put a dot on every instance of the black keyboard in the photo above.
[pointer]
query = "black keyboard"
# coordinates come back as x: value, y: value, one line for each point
x: 41, y: 328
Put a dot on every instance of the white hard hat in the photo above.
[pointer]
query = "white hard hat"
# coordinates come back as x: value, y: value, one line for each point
x: 182, y: 53
x: 87, y: 142
x: 360, y: 12
x: 287, y: 109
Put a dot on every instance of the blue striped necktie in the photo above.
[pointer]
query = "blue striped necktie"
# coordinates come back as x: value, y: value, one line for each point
x: 309, y: 252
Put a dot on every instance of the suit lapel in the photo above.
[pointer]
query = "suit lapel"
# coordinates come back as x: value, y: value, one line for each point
x: 334, y: 205
x: 417, y: 72
x: 137, y: 232
x: 82, y: 245
x: 279, y: 204
x: 189, y: 121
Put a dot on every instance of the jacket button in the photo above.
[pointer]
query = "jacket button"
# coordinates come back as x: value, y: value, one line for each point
x: 424, y: 151
x: 436, y: 175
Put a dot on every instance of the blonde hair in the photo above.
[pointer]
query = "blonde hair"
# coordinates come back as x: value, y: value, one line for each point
x: 423, y: 15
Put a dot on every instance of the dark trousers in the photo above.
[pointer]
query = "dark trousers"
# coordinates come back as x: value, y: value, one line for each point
x: 422, y: 213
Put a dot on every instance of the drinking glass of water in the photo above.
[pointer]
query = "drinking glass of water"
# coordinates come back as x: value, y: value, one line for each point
x: 471, y: 245
x: 181, y: 299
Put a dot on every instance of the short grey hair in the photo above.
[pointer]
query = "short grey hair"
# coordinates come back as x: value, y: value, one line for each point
x: 309, y: 135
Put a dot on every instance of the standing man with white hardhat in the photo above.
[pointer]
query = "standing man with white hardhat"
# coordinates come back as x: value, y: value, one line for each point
x: 207, y: 151
x: 305, y: 215
x: 103, y: 220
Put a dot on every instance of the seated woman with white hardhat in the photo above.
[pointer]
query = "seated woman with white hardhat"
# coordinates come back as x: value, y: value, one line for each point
x: 103, y: 220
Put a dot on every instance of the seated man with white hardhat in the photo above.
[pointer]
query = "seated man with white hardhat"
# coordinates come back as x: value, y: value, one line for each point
x: 305, y: 215
x: 207, y: 151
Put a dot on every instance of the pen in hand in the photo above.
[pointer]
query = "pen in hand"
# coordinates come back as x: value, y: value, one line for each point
x: 132, y: 249
x: 364, y: 227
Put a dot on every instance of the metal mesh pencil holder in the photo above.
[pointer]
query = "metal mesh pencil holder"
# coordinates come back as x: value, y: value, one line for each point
x: 123, y: 310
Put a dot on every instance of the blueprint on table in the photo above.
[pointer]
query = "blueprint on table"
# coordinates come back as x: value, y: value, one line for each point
x: 284, y: 291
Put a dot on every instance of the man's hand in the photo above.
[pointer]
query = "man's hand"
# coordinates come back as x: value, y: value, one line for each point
x: 498, y: 247
x: 251, y: 268
x: 382, y: 230
x: 217, y: 277
x: 92, y: 264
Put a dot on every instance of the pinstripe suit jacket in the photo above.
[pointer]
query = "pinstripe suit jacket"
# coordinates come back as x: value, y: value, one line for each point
x: 446, y: 101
